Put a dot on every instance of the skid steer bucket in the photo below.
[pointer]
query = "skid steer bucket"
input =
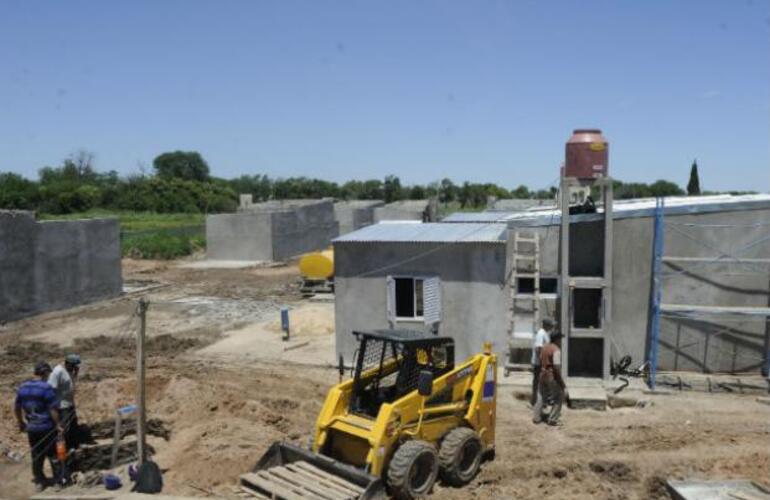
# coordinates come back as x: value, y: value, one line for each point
x: 289, y: 472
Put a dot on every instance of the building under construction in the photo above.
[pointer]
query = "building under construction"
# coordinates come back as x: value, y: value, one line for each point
x: 681, y: 282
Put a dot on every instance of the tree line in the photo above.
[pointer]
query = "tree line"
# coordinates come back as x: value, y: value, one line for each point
x: 181, y: 183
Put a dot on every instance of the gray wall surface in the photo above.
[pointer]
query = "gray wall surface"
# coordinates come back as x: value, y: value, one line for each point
x: 353, y: 215
x: 715, y: 344
x: 241, y: 236
x: 422, y: 210
x: 53, y: 265
x: 474, y: 300
x: 304, y: 229
x: 271, y: 231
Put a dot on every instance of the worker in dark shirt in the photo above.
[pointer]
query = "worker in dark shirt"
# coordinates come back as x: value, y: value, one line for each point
x: 36, y: 413
x: 552, y: 387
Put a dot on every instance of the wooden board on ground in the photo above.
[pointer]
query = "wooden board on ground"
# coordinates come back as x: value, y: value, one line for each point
x: 299, y: 481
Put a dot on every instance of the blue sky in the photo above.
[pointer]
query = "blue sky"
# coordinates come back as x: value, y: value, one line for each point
x: 484, y: 90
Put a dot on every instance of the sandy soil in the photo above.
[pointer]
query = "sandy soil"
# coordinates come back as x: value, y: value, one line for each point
x: 222, y: 379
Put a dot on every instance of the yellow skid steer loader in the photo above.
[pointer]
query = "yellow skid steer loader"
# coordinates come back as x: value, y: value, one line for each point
x: 407, y: 417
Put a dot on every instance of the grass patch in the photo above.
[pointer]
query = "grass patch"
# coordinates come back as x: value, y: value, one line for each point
x: 160, y: 245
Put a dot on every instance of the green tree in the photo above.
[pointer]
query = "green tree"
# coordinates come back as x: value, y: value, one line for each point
x: 392, y: 189
x: 447, y: 192
x: 693, y: 186
x: 521, y: 192
x: 17, y: 193
x: 188, y: 165
x: 665, y: 188
x: 417, y: 192
x: 372, y: 190
x: 259, y: 186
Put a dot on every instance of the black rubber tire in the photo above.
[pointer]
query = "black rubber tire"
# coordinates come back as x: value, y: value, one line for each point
x: 459, y: 456
x: 412, y: 470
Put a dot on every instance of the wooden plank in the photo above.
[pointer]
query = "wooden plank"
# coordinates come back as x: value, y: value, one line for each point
x: 345, y: 490
x: 254, y: 493
x: 311, y: 484
x: 331, y: 477
x: 292, y: 489
x: 274, y: 488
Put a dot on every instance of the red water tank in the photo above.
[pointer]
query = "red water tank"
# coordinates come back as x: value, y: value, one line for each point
x: 587, y: 154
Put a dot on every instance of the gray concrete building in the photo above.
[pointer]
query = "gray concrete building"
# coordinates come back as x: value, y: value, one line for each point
x: 426, y: 276
x: 355, y: 214
x: 717, y: 254
x: 420, y: 210
x: 271, y: 231
x: 52, y: 265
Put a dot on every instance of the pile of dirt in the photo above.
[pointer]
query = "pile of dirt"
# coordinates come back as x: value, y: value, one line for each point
x: 307, y: 320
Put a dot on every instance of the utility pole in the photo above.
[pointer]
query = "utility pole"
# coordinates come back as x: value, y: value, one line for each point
x: 141, y: 415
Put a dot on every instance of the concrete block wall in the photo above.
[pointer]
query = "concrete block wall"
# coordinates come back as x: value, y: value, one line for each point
x: 18, y: 235
x: 353, y: 215
x: 275, y: 230
x: 53, y: 265
x: 240, y: 236
x: 421, y: 210
x: 303, y: 229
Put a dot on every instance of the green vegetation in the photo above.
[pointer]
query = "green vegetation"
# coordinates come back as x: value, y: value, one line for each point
x: 162, y: 215
x: 160, y: 245
x: 693, y: 185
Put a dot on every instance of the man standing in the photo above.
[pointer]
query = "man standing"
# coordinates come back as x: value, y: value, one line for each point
x: 551, y: 387
x: 35, y: 411
x: 63, y: 379
x: 542, y: 337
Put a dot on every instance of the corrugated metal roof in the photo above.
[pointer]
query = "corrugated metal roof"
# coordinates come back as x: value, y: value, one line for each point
x: 428, y: 232
x: 478, y: 216
x: 623, y: 209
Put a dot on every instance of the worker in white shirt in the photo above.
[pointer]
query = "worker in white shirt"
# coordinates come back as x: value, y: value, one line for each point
x: 63, y: 379
x: 542, y: 337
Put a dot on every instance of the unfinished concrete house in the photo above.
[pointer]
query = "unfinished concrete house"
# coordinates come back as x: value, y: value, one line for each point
x: 355, y: 214
x: 420, y: 210
x: 715, y: 286
x: 427, y: 276
x: 271, y: 231
x: 52, y: 265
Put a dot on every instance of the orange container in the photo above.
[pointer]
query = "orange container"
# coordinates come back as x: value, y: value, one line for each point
x: 61, y: 450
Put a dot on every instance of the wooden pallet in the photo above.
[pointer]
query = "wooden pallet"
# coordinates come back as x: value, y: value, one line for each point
x: 298, y: 481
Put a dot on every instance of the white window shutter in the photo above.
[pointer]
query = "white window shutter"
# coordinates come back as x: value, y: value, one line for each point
x: 391, y: 300
x: 431, y: 293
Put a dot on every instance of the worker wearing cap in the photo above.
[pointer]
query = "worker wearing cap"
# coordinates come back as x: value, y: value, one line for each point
x: 551, y: 386
x: 542, y: 337
x: 36, y: 413
x: 62, y: 379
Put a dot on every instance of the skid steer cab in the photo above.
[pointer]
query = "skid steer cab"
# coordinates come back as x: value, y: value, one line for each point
x: 409, y: 416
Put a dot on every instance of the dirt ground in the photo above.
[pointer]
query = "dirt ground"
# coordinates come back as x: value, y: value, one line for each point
x: 226, y: 385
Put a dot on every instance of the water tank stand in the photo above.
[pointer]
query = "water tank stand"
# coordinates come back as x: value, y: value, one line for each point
x: 569, y: 283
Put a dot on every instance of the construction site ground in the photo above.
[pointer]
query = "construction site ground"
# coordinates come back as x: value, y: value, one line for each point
x: 226, y: 386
